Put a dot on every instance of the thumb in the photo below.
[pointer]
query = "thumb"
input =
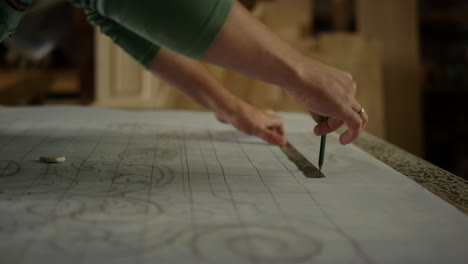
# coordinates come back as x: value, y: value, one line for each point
x: 270, y: 136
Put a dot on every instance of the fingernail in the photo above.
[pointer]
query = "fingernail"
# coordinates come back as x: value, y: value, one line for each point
x: 316, y: 132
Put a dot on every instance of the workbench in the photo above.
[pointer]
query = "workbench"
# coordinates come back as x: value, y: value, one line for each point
x: 444, y: 184
x: 180, y: 187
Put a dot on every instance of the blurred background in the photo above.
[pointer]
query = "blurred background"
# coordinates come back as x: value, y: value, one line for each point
x: 408, y: 57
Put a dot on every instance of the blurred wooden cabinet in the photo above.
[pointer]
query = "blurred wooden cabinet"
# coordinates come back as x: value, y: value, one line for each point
x: 122, y: 83
x: 395, y: 25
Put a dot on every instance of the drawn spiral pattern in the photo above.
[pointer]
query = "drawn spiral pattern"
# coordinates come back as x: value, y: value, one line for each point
x: 257, y: 243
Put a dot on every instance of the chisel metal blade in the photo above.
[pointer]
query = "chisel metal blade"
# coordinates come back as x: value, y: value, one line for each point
x: 304, y: 165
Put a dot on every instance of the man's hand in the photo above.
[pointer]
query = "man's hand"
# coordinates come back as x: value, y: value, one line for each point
x: 193, y: 80
x: 327, y: 91
x: 264, y: 124
x: 249, y: 47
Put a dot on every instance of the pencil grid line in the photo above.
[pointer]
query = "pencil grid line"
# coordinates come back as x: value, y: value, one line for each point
x: 326, y: 215
x: 44, y: 175
x: 186, y: 193
x: 233, y: 203
x: 275, y: 201
x: 41, y: 142
x: 141, y: 258
x: 209, y: 176
x: 17, y: 135
x: 192, y: 210
x: 59, y: 200
x: 8, y: 142
x: 106, y: 196
x: 353, y: 241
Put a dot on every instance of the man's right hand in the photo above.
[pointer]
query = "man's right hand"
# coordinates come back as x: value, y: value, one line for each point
x: 249, y: 47
x: 327, y: 91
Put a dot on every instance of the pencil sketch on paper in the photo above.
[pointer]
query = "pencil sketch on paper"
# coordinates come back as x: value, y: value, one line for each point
x: 178, y: 187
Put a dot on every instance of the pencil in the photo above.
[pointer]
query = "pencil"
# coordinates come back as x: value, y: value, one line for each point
x: 323, y: 140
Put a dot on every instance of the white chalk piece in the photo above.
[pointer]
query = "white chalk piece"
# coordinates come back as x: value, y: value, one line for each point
x: 52, y: 159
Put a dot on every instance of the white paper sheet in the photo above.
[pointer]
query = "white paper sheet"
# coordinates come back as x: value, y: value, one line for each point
x: 178, y: 187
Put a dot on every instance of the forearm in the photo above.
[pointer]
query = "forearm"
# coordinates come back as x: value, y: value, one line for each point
x: 193, y: 80
x: 246, y: 45
x: 185, y: 74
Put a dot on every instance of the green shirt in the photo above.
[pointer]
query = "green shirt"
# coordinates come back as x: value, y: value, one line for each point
x: 187, y: 27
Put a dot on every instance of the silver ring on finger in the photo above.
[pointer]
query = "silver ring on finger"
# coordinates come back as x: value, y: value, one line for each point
x: 362, y: 111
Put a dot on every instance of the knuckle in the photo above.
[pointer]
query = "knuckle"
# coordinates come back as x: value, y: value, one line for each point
x: 348, y: 75
x: 267, y: 137
x: 250, y: 131
x: 260, y: 133
x: 351, y: 85
x: 348, y: 100
x: 366, y: 119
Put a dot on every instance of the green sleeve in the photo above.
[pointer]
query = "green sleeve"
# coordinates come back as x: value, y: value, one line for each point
x: 11, y: 12
x: 137, y: 47
x: 187, y: 27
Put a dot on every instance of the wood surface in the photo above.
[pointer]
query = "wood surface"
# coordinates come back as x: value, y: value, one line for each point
x: 394, y: 25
